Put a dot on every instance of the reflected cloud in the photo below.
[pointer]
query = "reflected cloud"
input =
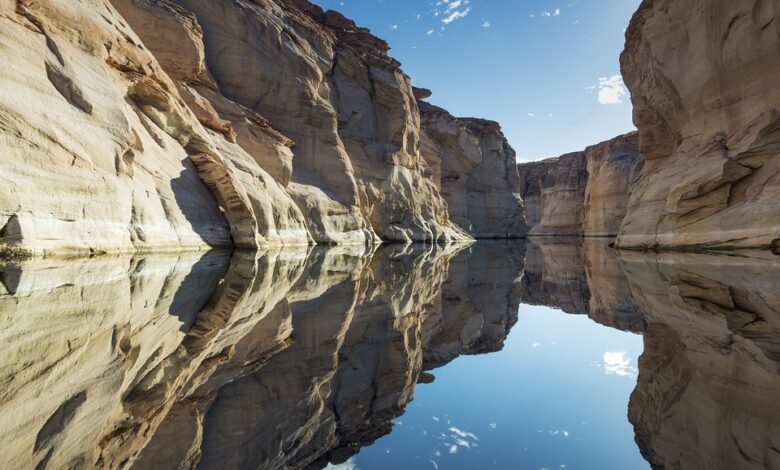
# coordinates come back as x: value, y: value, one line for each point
x: 618, y: 363
x: 348, y: 465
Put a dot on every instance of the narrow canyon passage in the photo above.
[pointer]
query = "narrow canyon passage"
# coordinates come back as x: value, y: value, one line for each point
x: 314, y: 357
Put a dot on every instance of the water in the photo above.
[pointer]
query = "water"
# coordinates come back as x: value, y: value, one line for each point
x: 547, y: 354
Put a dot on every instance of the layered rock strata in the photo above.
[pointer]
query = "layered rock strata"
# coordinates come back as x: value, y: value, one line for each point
x: 157, y: 124
x: 702, y: 80
x: 582, y: 193
x: 476, y: 170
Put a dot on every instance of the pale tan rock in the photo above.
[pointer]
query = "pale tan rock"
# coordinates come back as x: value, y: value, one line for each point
x: 476, y: 171
x: 582, y: 193
x: 702, y: 81
x: 554, y: 193
x: 613, y: 167
x: 357, y: 172
x: 104, y: 155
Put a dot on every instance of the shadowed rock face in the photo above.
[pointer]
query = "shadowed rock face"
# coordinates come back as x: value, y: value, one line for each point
x: 582, y: 193
x: 702, y: 80
x: 282, y: 359
x: 475, y: 168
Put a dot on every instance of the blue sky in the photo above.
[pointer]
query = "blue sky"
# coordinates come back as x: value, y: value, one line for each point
x: 547, y: 70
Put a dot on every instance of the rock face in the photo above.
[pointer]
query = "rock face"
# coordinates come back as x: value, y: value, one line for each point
x: 476, y: 171
x: 702, y: 80
x: 582, y: 193
x: 554, y: 192
x: 158, y: 124
x: 613, y: 167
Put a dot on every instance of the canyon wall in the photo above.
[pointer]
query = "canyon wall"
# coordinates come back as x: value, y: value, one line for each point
x: 135, y: 125
x: 702, y: 80
x: 582, y: 193
x: 476, y: 171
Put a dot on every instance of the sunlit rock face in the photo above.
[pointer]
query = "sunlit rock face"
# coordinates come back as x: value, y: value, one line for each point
x: 554, y: 194
x: 125, y: 165
x: 613, y: 167
x: 476, y: 171
x: 343, y: 105
x: 702, y: 80
x: 706, y: 396
x: 192, y: 124
x: 582, y: 193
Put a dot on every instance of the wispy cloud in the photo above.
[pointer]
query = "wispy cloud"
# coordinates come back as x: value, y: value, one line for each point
x: 456, y: 15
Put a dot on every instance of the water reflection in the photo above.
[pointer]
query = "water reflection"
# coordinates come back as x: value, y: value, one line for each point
x: 297, y: 359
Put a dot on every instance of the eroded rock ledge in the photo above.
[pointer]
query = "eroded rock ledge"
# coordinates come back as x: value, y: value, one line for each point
x: 138, y: 125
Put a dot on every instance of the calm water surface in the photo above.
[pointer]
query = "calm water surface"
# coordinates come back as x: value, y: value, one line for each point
x: 541, y: 354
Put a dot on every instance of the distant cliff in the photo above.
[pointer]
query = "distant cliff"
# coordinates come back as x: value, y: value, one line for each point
x: 581, y: 193
x: 160, y: 124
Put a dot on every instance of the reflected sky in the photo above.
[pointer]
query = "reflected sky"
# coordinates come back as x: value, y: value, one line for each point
x: 554, y: 398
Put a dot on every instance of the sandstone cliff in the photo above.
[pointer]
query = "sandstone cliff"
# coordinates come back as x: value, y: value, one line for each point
x: 476, y: 171
x: 582, y: 193
x: 158, y: 124
x: 702, y: 80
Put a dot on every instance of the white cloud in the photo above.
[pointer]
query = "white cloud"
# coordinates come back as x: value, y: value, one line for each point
x: 393, y: 26
x: 456, y: 15
x: 453, y: 449
x: 611, y: 90
x: 486, y: 24
x: 533, y: 115
x: 536, y: 345
x: 618, y: 363
x: 460, y: 433
x: 430, y: 31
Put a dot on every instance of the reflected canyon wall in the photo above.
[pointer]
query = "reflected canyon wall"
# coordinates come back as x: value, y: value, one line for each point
x: 298, y: 358
x: 287, y: 359
x: 705, y: 396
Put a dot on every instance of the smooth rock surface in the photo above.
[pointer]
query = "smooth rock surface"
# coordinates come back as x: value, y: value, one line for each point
x: 102, y: 152
x: 613, y: 167
x: 702, y: 76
